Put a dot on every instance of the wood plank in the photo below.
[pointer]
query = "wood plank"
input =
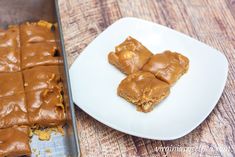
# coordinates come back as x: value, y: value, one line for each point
x: 211, y: 22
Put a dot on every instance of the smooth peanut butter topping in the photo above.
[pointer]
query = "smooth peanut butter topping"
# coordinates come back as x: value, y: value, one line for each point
x: 168, y: 66
x: 42, y: 77
x: 9, y: 59
x: 14, y: 141
x: 36, y: 32
x: 45, y: 107
x: 143, y: 89
x: 13, y: 111
x: 40, y: 54
x: 10, y: 84
x: 129, y: 56
x: 10, y: 50
x: 10, y: 37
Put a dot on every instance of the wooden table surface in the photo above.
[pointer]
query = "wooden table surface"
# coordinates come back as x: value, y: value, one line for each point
x: 210, y: 21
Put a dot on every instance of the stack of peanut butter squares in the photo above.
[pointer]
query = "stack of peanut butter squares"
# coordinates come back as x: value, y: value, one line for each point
x: 30, y: 84
x: 149, y: 77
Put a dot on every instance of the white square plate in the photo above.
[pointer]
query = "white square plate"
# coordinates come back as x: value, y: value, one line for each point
x: 94, y: 82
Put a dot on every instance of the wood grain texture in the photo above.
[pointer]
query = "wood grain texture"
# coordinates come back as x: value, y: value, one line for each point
x: 210, y: 21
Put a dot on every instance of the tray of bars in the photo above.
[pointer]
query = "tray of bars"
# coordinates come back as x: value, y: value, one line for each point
x: 36, y: 111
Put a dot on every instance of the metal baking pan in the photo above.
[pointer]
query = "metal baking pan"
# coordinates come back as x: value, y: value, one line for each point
x: 21, y: 11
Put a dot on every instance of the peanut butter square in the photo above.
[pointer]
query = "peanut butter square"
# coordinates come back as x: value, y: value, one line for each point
x: 40, y: 54
x: 11, y: 83
x: 143, y: 89
x: 14, y: 141
x: 9, y: 59
x: 36, y: 32
x: 13, y: 111
x: 9, y: 50
x: 129, y: 56
x: 45, y: 107
x: 168, y: 66
x: 42, y: 77
x: 10, y: 37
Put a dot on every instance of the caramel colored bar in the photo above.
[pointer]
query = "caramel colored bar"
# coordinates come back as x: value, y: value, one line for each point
x: 168, y: 66
x: 45, y: 107
x: 10, y: 37
x: 36, y: 32
x: 13, y: 111
x: 11, y: 83
x: 14, y: 141
x: 144, y: 90
x: 45, y: 53
x: 129, y: 56
x: 41, y: 77
x: 10, y: 50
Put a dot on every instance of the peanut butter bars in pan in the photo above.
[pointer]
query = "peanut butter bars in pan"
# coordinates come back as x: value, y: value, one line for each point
x: 31, y: 93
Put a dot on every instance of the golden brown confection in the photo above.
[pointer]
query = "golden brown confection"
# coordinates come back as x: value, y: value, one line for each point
x: 36, y: 32
x: 168, y: 66
x: 143, y: 89
x: 9, y: 50
x: 9, y: 59
x: 30, y: 85
x: 40, y: 54
x: 14, y: 141
x: 129, y: 56
x: 13, y: 111
x: 11, y: 83
x: 45, y: 107
x: 41, y: 77
x: 10, y: 37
